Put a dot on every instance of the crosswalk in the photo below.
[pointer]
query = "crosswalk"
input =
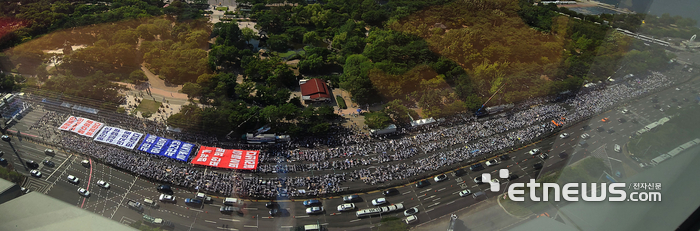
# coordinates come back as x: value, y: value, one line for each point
x: 36, y: 185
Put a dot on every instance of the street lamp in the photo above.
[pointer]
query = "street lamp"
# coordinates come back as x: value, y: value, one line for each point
x: 7, y: 139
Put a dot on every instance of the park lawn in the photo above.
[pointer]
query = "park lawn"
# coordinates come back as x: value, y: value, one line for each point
x: 514, y: 208
x: 149, y: 106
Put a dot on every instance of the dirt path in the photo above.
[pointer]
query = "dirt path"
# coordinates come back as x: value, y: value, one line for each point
x: 157, y: 83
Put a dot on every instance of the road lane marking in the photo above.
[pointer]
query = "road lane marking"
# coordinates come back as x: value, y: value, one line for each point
x: 614, y: 159
x: 355, y: 220
x: 436, y: 203
x: 208, y: 221
x: 88, y: 184
x: 226, y: 219
x: 59, y: 167
x: 197, y: 210
x: 449, y: 202
x: 425, y: 190
x: 124, y: 197
x: 441, y: 189
x: 406, y: 193
x: 252, y: 208
x: 304, y: 216
x: 250, y: 226
x: 232, y: 229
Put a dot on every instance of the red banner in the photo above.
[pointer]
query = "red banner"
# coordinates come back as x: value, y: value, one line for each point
x: 227, y: 158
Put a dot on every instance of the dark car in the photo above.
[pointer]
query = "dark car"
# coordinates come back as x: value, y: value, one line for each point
x: 391, y: 192
x: 538, y: 166
x: 504, y: 157
x: 460, y: 172
x: 311, y: 202
x: 351, y: 198
x: 48, y: 163
x: 275, y: 212
x: 600, y: 129
x: 31, y: 164
x: 512, y: 177
x: 3, y: 161
x: 2, y: 153
x: 656, y: 106
x: 611, y: 131
x: 476, y: 167
x: 271, y: 205
x: 191, y: 201
x: 165, y: 189
x: 621, y: 120
x: 635, y: 159
x: 422, y: 183
x: 563, y: 155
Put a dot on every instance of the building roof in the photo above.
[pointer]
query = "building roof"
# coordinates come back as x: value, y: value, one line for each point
x: 315, y: 88
x: 36, y: 211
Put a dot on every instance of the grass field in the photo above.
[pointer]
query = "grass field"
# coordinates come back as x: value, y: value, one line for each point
x: 149, y: 106
x: 682, y: 128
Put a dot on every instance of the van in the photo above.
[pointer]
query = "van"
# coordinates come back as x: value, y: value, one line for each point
x: 477, y: 194
x: 230, y: 201
x: 617, y: 148
x: 312, y: 228
x: 149, y: 202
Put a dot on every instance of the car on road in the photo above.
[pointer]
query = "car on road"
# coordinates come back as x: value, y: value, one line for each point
x: 2, y: 153
x: 564, y: 135
x: 379, y: 201
x: 49, y: 152
x: 391, y: 192
x: 491, y: 162
x: 617, y: 148
x: 83, y: 192
x: 600, y: 129
x: 585, y: 136
x: 504, y: 157
x: 103, y: 184
x: 31, y: 164
x: 85, y: 163
x: 229, y: 209
x: 476, y: 167
x: 604, y: 120
x: 611, y: 131
x: 275, y: 212
x: 538, y: 166
x: 534, y: 151
x: 624, y: 111
x: 563, y: 155
x: 346, y: 207
x: 166, y: 198
x: 192, y: 201
x: 35, y: 173
x: 351, y: 198
x: 635, y: 159
x: 3, y: 161
x: 440, y: 178
x: 314, y: 210
x: 308, y: 203
x: 512, y: 177
x: 422, y: 183
x: 644, y: 165
x: 544, y: 156
x: 411, y: 211
x: 477, y: 180
x: 411, y: 219
x: 272, y: 205
x: 460, y: 172
x: 495, y: 180
x: 204, y: 197
x: 73, y: 179
x: 464, y: 193
x: 48, y: 163
x: 165, y: 189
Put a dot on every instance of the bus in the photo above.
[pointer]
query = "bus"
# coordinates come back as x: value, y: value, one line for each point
x: 368, y: 212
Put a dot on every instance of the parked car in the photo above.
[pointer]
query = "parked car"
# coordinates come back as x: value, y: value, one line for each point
x: 504, y: 157
x: 440, y: 178
x: 391, y: 192
x: 379, y: 201
x: 272, y: 205
x: 544, y: 156
x: 477, y: 180
x: 308, y: 203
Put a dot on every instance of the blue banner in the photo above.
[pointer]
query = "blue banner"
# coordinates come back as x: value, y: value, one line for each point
x: 166, y: 147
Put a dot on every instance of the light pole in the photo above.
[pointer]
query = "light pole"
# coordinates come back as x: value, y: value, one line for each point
x: 7, y: 139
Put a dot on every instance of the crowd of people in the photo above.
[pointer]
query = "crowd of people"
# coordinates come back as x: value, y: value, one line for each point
x: 356, y: 156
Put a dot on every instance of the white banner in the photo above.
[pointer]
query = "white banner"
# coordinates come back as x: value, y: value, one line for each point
x: 119, y: 137
x: 82, y: 126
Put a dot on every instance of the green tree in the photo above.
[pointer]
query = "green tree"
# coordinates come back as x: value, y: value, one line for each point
x: 377, y: 120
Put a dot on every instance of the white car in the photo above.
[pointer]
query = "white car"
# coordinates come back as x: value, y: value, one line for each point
x: 103, y: 184
x: 625, y: 111
x: 477, y: 180
x: 534, y: 151
x: 166, y: 198
x: 491, y: 162
x: 85, y: 163
x: 617, y: 148
x: 379, y: 201
x: 346, y: 207
x: 440, y: 178
x: 314, y: 210
x: 73, y: 179
x: 564, y: 135
x: 465, y: 193
x: 411, y: 219
x: 495, y: 180
x: 83, y: 192
x: 410, y: 212
x: 35, y: 173
x: 585, y: 136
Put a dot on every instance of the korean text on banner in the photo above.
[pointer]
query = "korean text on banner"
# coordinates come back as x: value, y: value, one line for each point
x: 93, y: 129
x: 227, y: 158
x: 68, y: 124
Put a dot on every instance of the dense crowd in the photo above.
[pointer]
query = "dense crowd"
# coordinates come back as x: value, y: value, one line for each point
x: 421, y: 150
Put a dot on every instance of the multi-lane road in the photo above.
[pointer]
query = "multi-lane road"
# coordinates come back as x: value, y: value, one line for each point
x: 434, y: 200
